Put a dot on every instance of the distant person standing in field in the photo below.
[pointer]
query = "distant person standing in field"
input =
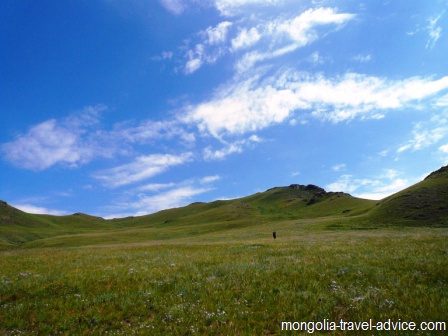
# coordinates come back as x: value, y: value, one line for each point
x: 274, y: 234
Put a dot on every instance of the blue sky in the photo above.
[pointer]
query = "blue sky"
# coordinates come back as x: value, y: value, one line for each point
x: 118, y: 108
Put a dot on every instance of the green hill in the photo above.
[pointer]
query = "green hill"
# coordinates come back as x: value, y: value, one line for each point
x: 423, y: 204
x: 18, y: 227
x: 274, y: 205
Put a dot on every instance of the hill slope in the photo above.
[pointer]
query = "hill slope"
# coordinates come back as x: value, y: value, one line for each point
x: 423, y: 204
x: 18, y: 227
x: 273, y: 205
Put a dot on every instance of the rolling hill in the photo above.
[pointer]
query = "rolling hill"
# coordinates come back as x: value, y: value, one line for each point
x: 423, y: 204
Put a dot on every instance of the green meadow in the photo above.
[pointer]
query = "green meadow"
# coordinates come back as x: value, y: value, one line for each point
x: 215, y: 268
x: 238, y: 283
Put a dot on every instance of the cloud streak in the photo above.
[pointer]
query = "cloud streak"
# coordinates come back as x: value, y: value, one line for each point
x: 272, y: 38
x: 253, y: 104
x: 52, y: 142
x: 376, y: 189
x: 142, y: 168
x: 155, y: 197
x: 29, y: 208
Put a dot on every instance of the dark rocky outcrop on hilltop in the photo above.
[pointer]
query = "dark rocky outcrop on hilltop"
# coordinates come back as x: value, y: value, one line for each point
x: 442, y: 172
x: 309, y: 187
x: 85, y: 215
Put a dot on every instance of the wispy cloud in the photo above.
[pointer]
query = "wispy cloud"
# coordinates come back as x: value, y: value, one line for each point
x: 29, y: 208
x: 434, y: 31
x: 154, y: 187
x: 338, y: 167
x: 230, y: 148
x: 155, y: 197
x: 172, y: 198
x: 349, y: 184
x: 235, y: 7
x: 245, y: 39
x: 52, y: 142
x: 266, y: 39
x: 209, y: 50
x: 287, y: 35
x: 426, y: 134
x: 80, y: 138
x: 174, y: 6
x: 444, y: 148
x: 142, y: 168
x: 220, y: 154
x: 253, y: 104
x: 149, y: 131
x: 209, y: 179
x: 375, y: 188
x: 363, y: 58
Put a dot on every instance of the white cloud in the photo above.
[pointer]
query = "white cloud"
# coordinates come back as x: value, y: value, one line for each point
x: 174, y: 6
x: 243, y: 107
x: 39, y: 210
x: 338, y: 167
x: 78, y: 139
x: 164, y: 55
x: 390, y: 174
x: 434, y: 31
x: 220, y: 154
x: 443, y: 101
x: 194, y: 59
x: 316, y: 58
x: 281, y: 35
x: 142, y: 168
x: 393, y: 186
x: 230, y: 148
x: 426, y: 134
x: 218, y: 34
x: 53, y: 142
x: 209, y: 179
x: 288, y: 35
x: 253, y: 104
x: 376, y: 188
x: 348, y: 184
x: 170, y: 199
x: 444, y: 148
x: 248, y: 61
x: 209, y: 50
x: 148, y: 131
x: 361, y: 58
x: 155, y: 186
x: 233, y: 7
x: 256, y: 138
x: 161, y: 196
x: 301, y: 28
x: 245, y: 39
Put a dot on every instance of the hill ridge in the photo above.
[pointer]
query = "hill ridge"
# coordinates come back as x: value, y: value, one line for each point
x: 423, y: 204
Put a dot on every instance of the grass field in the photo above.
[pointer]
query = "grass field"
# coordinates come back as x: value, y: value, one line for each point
x: 215, y: 269
x: 231, y: 282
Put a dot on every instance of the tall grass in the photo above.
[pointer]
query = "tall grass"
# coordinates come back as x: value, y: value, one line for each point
x: 243, y: 284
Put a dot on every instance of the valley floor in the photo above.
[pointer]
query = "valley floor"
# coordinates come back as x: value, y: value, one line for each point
x: 237, y: 282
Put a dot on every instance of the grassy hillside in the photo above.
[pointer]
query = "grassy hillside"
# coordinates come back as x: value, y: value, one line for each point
x: 277, y: 204
x: 423, y: 204
x: 18, y: 227
x: 215, y: 269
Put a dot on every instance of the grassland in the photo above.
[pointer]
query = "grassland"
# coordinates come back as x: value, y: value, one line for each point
x: 214, y: 268
x: 235, y: 282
